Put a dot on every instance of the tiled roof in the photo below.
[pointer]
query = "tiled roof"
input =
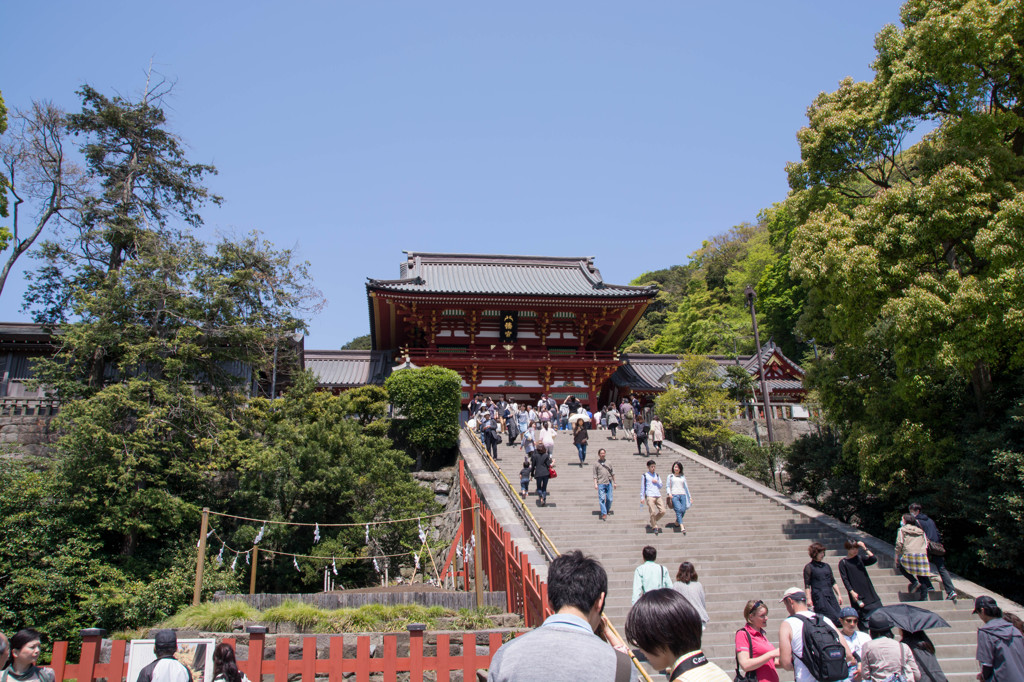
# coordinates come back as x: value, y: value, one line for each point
x: 643, y: 372
x: 511, y: 275
x: 348, y: 368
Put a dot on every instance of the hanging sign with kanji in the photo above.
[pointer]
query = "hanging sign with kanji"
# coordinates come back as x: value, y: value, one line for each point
x: 509, y: 326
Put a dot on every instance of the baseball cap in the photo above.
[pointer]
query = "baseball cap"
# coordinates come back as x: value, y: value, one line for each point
x: 165, y: 639
x: 848, y: 612
x: 984, y: 602
x: 794, y: 593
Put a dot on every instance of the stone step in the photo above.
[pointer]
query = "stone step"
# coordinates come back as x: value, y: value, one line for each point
x: 743, y: 543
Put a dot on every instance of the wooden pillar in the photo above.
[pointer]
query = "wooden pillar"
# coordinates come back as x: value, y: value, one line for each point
x: 201, y: 557
x: 252, y: 572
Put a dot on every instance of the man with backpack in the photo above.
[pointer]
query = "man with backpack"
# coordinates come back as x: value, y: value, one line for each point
x: 649, y: 575
x: 809, y: 643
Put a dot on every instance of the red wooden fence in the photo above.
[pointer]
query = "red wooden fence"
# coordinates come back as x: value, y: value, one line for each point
x: 505, y: 566
x: 335, y: 666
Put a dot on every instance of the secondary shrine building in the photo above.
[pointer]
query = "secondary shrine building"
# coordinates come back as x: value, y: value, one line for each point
x: 512, y: 326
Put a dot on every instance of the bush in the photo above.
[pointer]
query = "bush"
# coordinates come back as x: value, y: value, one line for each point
x: 428, y: 401
x: 214, y: 616
x: 221, y: 616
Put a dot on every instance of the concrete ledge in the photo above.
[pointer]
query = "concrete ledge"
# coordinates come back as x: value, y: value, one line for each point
x: 886, y: 552
x: 490, y: 491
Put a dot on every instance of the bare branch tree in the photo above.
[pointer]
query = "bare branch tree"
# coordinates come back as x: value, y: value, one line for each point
x: 39, y: 175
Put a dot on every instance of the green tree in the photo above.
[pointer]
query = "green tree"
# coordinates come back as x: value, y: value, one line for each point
x: 696, y: 405
x: 308, y: 460
x: 910, y: 260
x: 146, y: 186
x: 363, y: 342
x: 427, y: 401
x: 57, y: 576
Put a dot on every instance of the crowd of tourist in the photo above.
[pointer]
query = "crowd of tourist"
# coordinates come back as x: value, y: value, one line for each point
x: 667, y: 621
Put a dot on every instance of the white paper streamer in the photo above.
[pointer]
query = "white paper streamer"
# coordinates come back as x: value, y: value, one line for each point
x: 220, y: 556
x: 259, y: 536
x: 375, y: 566
x: 334, y: 566
x: 367, y: 533
x: 316, y: 534
x: 247, y: 558
x: 423, y: 533
x: 234, y: 562
x: 295, y: 562
x: 416, y: 558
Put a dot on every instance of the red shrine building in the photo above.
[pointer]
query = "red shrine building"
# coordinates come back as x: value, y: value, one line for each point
x: 512, y: 326
x: 520, y: 327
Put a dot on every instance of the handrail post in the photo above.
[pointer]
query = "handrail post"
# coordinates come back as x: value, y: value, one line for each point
x: 92, y: 638
x: 257, y: 638
x: 478, y: 569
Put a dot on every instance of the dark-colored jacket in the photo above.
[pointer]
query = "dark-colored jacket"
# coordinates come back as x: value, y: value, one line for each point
x: 926, y: 661
x: 931, y: 531
x: 1001, y: 647
x: 541, y: 464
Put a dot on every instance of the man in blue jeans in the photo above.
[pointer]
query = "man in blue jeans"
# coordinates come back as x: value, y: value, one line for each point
x: 604, y: 482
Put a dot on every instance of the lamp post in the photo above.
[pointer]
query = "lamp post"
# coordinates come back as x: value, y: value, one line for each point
x: 751, y: 295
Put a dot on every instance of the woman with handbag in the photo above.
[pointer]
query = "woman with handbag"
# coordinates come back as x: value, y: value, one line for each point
x: 755, y: 655
x: 542, y: 469
x: 912, y: 554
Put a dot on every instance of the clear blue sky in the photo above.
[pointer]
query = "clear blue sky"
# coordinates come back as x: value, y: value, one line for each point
x: 628, y: 131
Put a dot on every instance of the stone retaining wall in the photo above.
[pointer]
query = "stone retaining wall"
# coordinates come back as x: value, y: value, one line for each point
x: 26, y: 435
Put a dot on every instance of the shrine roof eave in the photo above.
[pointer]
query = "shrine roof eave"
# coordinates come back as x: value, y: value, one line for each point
x: 635, y: 296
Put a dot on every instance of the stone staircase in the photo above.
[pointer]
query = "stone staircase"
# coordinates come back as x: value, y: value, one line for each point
x: 744, y: 544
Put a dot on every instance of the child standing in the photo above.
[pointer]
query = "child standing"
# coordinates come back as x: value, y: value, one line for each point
x: 524, y: 478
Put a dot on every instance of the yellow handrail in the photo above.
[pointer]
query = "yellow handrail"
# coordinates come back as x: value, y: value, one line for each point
x: 619, y: 643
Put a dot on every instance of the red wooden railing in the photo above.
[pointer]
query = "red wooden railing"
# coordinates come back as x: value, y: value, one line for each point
x: 335, y: 666
x: 505, y: 566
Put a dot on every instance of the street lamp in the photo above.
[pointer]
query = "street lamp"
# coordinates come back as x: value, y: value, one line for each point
x: 751, y: 295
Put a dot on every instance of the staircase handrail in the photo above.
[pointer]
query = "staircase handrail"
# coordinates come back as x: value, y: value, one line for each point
x: 608, y: 631
x: 543, y: 541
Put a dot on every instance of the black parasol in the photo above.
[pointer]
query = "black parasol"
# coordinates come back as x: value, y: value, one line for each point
x: 911, y: 618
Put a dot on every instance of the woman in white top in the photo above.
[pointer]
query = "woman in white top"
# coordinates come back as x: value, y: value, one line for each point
x: 679, y: 492
x: 547, y: 436
x: 657, y: 434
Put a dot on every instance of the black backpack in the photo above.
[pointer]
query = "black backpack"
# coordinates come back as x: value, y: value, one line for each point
x: 824, y: 654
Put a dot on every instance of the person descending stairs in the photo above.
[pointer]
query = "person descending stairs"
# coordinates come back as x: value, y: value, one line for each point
x: 743, y: 545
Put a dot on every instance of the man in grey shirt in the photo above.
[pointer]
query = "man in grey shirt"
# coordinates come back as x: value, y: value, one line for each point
x: 564, y: 648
